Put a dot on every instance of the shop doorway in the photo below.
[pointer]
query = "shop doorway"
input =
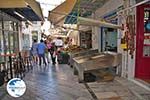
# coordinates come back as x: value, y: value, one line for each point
x: 109, y: 39
x: 142, y: 69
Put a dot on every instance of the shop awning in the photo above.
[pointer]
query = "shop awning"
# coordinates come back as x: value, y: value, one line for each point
x: 29, y: 9
x: 93, y: 22
x: 57, y: 15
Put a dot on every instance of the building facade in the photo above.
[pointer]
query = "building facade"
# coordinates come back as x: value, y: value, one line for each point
x: 132, y: 40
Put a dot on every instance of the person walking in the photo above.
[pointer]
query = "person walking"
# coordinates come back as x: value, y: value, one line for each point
x: 53, y: 51
x: 41, y: 52
x: 47, y: 51
x: 34, y: 51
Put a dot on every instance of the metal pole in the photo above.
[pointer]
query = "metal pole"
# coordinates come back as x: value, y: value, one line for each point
x: 10, y: 62
x: 140, y: 3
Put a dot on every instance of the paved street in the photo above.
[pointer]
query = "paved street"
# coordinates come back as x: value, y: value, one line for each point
x: 59, y: 83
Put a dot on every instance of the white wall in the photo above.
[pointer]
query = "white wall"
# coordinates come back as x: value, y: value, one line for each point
x: 128, y: 63
x: 37, y: 27
x: 95, y: 37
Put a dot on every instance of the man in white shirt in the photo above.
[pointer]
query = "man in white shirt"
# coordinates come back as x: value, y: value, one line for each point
x: 58, y: 42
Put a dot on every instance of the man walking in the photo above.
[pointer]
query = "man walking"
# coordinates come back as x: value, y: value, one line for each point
x: 41, y: 52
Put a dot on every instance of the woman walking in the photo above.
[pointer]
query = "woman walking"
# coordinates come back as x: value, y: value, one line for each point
x: 34, y: 51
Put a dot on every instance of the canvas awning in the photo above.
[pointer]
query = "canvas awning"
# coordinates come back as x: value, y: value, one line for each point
x: 93, y: 22
x: 57, y: 15
x: 25, y: 6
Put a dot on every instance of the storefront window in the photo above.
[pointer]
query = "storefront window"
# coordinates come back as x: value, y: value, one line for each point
x: 6, y: 42
x: 146, y: 48
x: 8, y: 25
x: 8, y: 36
x: 1, y: 46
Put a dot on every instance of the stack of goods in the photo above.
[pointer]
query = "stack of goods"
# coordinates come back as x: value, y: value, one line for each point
x: 73, y: 48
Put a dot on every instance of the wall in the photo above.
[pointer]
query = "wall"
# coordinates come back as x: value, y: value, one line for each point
x: 96, y: 37
x: 26, y: 37
x: 36, y: 26
x: 128, y: 63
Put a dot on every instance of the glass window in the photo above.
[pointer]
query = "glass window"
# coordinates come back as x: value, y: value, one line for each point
x: 146, y: 48
x: 16, y: 42
x: 6, y: 42
x: 11, y: 42
x: 1, y: 46
x: 8, y: 25
x: 147, y: 20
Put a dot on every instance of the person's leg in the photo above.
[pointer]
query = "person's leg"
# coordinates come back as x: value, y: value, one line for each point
x: 39, y: 59
x: 47, y: 57
x: 36, y: 59
x: 54, y: 60
x: 51, y: 56
x: 43, y: 56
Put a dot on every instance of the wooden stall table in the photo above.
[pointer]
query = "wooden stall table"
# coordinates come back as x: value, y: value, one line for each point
x: 96, y: 62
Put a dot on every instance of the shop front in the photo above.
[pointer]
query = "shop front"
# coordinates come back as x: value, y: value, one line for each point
x: 109, y: 35
x: 142, y: 69
x: 8, y: 35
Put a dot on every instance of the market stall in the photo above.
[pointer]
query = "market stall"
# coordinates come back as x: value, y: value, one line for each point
x: 96, y: 62
x: 81, y: 54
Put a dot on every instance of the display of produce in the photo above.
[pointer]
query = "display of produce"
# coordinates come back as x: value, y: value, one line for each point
x: 73, y: 48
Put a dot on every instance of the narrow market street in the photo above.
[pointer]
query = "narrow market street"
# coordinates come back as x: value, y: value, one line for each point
x: 74, y: 49
x: 59, y: 83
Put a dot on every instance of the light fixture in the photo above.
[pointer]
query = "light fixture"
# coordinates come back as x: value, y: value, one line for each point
x: 18, y: 14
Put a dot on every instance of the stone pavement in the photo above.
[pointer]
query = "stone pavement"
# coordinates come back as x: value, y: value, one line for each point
x: 59, y: 83
x: 119, y: 89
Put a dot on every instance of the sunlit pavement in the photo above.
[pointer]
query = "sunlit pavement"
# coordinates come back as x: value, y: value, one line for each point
x: 58, y: 83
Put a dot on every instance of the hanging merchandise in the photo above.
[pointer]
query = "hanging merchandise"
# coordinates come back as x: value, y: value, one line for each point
x: 131, y: 34
x: 128, y: 37
x: 124, y: 38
